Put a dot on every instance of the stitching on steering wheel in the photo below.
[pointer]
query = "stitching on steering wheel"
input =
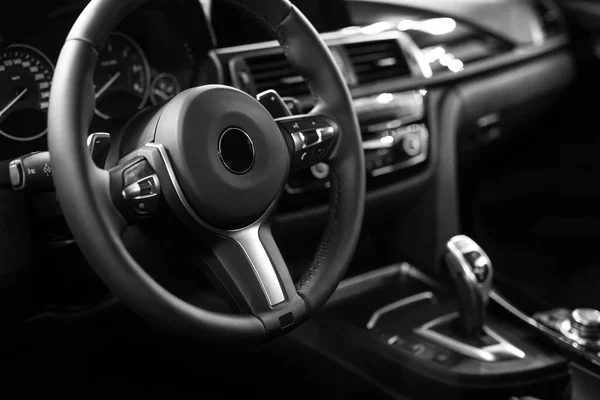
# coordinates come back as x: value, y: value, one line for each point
x: 261, y: 17
x: 323, y: 248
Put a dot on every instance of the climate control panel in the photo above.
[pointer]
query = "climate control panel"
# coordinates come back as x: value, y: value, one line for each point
x: 395, y: 138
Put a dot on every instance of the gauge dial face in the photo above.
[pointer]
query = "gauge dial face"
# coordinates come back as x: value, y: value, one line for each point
x: 25, y: 79
x: 164, y: 87
x: 122, y: 78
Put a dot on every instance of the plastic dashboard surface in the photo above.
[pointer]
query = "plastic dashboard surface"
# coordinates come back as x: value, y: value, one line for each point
x: 513, y: 20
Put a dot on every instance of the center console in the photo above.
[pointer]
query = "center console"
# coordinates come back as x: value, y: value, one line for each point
x: 421, y: 339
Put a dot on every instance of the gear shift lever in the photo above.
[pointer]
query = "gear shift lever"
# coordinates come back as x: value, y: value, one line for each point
x: 472, y: 272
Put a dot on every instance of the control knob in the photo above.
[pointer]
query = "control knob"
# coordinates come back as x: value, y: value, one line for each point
x: 585, y: 323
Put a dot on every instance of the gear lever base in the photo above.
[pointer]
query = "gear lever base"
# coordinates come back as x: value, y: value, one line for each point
x: 487, y: 346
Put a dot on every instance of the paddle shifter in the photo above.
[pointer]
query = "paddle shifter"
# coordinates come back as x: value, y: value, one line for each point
x: 472, y: 272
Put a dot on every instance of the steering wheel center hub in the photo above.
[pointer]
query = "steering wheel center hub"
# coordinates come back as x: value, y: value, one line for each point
x: 228, y: 154
x: 236, y: 150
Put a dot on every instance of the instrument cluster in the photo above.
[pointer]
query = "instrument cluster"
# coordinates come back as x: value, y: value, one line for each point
x: 124, y: 83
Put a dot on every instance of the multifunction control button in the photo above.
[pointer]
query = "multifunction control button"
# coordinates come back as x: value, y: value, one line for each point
x: 313, y: 139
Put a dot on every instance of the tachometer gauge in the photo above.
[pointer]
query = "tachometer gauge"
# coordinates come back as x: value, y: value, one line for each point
x: 122, y: 78
x: 164, y: 87
x: 25, y: 79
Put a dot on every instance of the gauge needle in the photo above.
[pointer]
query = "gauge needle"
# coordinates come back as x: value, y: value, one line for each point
x: 162, y: 95
x: 108, y: 84
x: 12, y: 103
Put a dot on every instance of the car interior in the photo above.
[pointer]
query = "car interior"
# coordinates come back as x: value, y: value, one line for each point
x: 337, y: 199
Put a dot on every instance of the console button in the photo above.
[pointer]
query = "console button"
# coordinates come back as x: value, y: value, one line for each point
x: 304, y: 124
x: 585, y: 322
x: 393, y: 340
x: 136, y: 172
x: 310, y: 138
x: 302, y: 158
x: 411, y: 144
x: 422, y: 351
x: 320, y: 152
x: 145, y: 205
x: 442, y: 358
x: 320, y: 170
x: 479, y: 265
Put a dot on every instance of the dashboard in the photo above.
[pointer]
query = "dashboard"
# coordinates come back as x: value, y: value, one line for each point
x: 142, y: 67
x: 421, y: 74
x: 391, y: 53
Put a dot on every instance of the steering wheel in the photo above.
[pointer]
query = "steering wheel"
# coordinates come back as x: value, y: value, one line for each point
x: 215, y: 158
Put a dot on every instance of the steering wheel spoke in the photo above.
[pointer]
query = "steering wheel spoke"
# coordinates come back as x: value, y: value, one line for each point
x: 311, y: 138
x: 248, y: 265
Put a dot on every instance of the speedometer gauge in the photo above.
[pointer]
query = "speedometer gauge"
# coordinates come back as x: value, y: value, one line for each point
x: 122, y: 78
x: 25, y: 79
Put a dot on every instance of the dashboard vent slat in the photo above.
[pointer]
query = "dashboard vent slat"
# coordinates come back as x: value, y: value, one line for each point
x: 375, y: 61
x: 273, y: 71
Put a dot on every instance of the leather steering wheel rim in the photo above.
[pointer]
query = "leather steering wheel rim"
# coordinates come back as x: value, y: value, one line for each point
x: 97, y: 225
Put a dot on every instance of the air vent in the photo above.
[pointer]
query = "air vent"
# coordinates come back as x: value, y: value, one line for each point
x: 273, y: 71
x: 549, y: 16
x: 376, y: 61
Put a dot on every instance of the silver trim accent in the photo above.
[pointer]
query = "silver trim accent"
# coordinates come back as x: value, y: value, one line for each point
x: 568, y: 327
x: 398, y: 304
x: 325, y: 133
x: 298, y: 141
x: 565, y: 328
x: 587, y: 317
x: 302, y: 139
x: 377, y: 144
x: 258, y: 257
x: 299, y: 137
x: 247, y: 238
x: 473, y: 294
x: 16, y: 171
x: 502, y: 302
x: 503, y: 350
x: 134, y: 191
